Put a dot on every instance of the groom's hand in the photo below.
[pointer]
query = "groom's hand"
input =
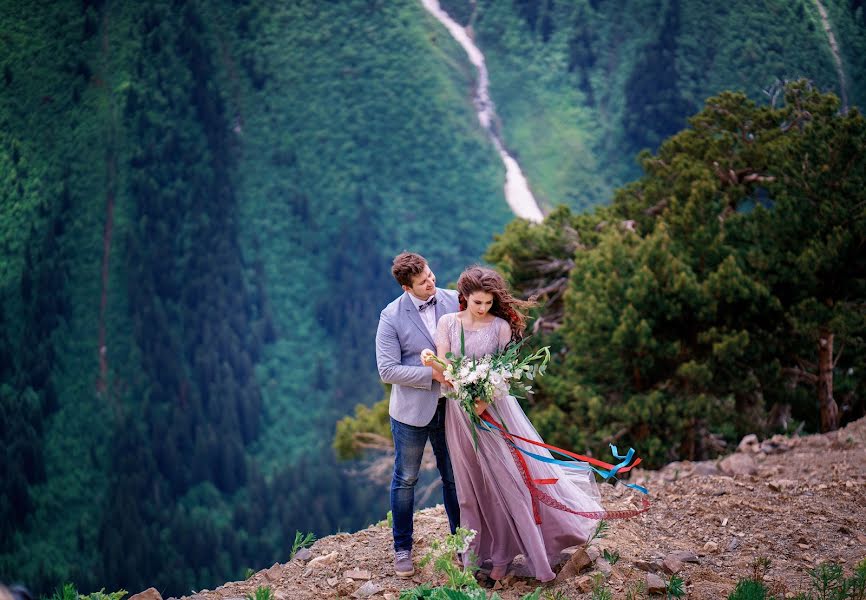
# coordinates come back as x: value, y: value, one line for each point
x: 437, y: 376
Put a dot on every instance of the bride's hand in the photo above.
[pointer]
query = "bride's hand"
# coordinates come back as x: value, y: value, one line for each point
x: 480, y: 406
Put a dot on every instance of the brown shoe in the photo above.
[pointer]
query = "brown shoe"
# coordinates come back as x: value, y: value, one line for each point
x: 403, y: 566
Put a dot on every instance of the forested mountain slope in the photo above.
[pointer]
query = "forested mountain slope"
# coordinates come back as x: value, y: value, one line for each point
x: 582, y: 85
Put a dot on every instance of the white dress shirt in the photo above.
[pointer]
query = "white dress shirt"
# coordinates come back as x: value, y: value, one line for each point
x: 428, y: 315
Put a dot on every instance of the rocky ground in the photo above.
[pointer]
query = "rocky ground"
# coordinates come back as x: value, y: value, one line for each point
x: 795, y: 501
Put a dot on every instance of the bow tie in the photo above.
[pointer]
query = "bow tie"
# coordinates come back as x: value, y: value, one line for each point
x: 430, y: 302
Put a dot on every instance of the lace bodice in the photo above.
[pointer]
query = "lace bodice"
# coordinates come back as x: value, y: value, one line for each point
x: 479, y: 342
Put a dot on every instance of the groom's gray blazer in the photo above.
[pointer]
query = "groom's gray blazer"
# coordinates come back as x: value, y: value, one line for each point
x: 399, y: 340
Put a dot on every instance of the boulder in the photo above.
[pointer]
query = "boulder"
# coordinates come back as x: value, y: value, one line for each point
x: 654, y: 584
x: 738, y: 464
x: 148, y: 594
x: 749, y: 444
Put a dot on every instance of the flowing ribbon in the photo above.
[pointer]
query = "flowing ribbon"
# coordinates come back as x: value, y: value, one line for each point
x: 606, y: 470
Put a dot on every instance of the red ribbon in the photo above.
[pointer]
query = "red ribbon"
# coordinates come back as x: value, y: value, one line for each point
x: 538, y: 496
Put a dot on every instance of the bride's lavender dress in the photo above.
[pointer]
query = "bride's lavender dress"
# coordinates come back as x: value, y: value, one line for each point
x: 494, y: 500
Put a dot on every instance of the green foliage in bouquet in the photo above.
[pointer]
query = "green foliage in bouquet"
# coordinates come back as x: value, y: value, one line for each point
x: 490, y: 377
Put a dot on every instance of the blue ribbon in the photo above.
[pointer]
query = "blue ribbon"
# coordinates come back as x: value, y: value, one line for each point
x: 572, y: 464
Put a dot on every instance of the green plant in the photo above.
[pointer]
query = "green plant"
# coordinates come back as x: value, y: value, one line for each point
x: 760, y: 566
x: 461, y: 584
x: 443, y: 593
x: 249, y: 572
x: 675, y: 587
x: 101, y: 595
x: 262, y: 592
x: 441, y: 553
x: 600, y: 531
x: 388, y: 520
x: 828, y: 582
x: 65, y: 592
x: 749, y: 589
x: 635, y: 590
x: 856, y: 584
x: 557, y: 595
x: 611, y: 557
x: 599, y: 590
x: 301, y: 541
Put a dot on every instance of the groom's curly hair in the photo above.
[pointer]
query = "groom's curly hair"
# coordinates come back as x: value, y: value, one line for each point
x: 406, y: 266
x: 505, y: 306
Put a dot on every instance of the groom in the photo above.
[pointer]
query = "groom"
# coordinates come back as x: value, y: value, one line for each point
x: 407, y: 326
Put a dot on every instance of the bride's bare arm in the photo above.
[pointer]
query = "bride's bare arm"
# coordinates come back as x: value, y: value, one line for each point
x: 443, y: 343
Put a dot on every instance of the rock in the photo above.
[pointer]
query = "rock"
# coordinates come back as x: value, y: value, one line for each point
x: 643, y: 565
x: 738, y: 464
x: 332, y: 581
x: 781, y: 484
x: 733, y: 544
x: 706, y: 468
x: 274, y: 573
x: 593, y: 553
x: 321, y: 561
x: 672, y: 564
x: 303, y: 555
x: 357, y: 574
x: 711, y: 547
x: 685, y: 556
x: 654, y: 584
x: 578, y: 561
x: 521, y: 568
x: 368, y: 589
x: 603, y: 567
x: 148, y: 594
x: 776, y: 444
x: 584, y: 583
x: 749, y: 444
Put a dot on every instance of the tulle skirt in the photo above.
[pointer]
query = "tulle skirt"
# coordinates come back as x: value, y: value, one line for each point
x: 496, y: 503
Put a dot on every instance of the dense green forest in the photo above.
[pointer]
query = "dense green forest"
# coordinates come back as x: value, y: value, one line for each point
x: 198, y: 208
x: 582, y: 86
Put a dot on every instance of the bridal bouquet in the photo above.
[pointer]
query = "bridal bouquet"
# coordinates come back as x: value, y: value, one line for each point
x: 490, y: 377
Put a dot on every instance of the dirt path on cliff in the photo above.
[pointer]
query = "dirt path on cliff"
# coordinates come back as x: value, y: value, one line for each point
x: 796, y: 501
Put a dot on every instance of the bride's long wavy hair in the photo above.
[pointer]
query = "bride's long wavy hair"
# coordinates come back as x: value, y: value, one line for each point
x: 505, y: 306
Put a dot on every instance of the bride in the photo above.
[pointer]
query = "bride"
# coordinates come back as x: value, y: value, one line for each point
x: 493, y: 482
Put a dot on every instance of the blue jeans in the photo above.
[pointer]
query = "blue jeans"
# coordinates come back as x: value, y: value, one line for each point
x: 409, y: 444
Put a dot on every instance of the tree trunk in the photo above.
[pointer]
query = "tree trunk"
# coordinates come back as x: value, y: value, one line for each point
x: 826, y: 403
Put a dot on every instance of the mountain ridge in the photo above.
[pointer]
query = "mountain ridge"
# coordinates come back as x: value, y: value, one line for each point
x: 797, y: 501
